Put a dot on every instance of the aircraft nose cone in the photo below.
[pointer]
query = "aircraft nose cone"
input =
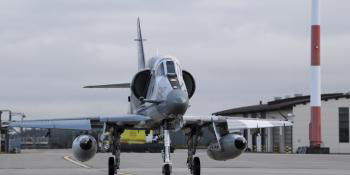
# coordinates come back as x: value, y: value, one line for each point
x: 177, y: 102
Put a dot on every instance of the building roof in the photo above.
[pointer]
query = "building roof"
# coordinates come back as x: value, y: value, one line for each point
x: 279, y: 104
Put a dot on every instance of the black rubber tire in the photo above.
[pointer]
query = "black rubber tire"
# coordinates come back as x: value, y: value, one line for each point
x: 196, y: 166
x: 111, y: 166
x: 166, y: 169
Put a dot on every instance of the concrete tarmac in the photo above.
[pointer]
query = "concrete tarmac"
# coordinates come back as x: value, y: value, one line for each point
x: 61, y: 162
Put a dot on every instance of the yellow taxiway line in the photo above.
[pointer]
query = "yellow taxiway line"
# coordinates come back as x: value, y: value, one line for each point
x: 76, y: 162
x: 69, y: 159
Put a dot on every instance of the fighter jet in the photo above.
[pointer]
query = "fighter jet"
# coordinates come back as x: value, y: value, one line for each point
x: 160, y: 96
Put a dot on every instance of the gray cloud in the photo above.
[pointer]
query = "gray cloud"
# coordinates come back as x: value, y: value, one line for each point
x: 239, y: 51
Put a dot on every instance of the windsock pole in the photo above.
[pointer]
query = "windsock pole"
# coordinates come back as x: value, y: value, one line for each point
x: 315, y: 95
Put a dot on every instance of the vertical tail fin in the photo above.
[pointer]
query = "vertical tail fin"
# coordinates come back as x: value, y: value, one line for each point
x: 141, y: 54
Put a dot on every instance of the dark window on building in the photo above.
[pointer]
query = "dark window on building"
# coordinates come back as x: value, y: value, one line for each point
x: 245, y: 134
x: 344, y: 125
x: 254, y: 115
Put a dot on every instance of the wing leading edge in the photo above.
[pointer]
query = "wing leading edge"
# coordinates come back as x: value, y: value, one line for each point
x: 234, y: 124
x: 80, y: 123
x: 120, y: 85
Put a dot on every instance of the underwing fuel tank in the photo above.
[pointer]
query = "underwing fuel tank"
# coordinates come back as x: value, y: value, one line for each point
x: 232, y: 145
x: 84, y: 147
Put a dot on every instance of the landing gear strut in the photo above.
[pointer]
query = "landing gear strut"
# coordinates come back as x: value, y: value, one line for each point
x: 193, y: 163
x: 167, y: 168
x: 114, y: 162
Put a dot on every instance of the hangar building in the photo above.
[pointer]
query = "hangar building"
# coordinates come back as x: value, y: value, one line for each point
x: 335, y: 123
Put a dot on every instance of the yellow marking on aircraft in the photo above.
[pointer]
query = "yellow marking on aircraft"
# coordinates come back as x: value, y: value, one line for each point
x: 133, y: 137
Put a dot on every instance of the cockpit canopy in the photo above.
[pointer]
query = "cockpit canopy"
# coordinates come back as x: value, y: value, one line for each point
x: 168, y: 68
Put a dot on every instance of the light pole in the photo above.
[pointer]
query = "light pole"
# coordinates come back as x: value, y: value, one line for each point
x: 7, y: 137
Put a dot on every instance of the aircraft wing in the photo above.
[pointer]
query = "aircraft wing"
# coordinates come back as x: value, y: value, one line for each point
x: 81, y: 123
x: 120, y: 85
x: 249, y: 124
x: 235, y: 123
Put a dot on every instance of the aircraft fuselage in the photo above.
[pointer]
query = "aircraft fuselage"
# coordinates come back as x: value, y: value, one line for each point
x: 166, y: 97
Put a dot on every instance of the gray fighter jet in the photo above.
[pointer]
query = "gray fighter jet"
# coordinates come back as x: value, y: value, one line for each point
x: 160, y: 95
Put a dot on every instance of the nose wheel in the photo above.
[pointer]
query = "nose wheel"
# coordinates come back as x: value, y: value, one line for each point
x: 166, y: 169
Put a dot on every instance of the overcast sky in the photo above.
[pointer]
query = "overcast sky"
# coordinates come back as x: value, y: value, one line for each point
x: 239, y: 51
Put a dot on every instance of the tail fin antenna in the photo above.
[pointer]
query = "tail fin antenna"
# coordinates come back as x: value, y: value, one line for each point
x: 141, y: 54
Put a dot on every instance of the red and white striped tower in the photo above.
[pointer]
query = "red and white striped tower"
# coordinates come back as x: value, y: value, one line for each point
x: 315, y: 95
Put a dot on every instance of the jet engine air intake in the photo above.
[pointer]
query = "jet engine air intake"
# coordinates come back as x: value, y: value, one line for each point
x: 232, y: 145
x: 84, y: 147
x: 140, y: 83
x: 189, y: 82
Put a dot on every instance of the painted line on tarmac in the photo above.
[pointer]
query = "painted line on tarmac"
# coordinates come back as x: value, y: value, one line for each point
x: 76, y: 162
x: 125, y: 174
x: 68, y: 158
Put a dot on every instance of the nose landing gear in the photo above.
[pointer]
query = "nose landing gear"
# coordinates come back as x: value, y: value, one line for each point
x: 167, y: 168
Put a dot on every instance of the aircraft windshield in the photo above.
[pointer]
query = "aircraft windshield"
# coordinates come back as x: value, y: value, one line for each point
x: 170, y: 67
x: 160, y: 70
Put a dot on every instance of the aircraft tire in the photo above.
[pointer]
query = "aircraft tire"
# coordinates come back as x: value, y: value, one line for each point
x: 111, y: 166
x: 196, y: 166
x: 166, y: 169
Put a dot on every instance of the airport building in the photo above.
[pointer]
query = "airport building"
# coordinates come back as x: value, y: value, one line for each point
x: 335, y: 123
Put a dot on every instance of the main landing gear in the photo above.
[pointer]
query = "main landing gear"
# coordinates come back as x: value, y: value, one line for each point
x: 193, y: 163
x: 114, y: 162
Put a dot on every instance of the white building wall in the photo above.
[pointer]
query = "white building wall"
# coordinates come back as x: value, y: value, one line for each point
x: 330, y: 125
x: 301, y: 126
